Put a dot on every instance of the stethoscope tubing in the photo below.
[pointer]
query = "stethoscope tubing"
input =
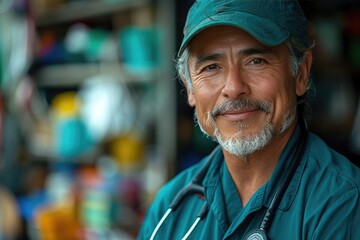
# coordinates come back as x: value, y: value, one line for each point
x: 195, y: 186
x: 162, y: 220
x: 191, y: 229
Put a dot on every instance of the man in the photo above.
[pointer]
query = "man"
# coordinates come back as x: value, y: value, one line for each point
x: 246, y: 67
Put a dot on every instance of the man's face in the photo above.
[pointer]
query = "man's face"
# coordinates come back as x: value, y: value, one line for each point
x: 242, y: 90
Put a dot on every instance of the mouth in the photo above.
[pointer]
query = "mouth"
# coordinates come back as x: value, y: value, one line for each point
x: 239, y: 114
x: 240, y: 109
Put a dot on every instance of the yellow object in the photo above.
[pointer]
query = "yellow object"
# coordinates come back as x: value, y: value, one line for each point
x: 128, y: 150
x: 66, y: 104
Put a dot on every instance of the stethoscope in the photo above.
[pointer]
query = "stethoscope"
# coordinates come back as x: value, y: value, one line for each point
x: 195, y: 187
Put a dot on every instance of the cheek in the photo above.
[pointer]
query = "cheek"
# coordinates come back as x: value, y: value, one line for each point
x: 204, y: 94
x: 205, y: 101
x: 209, y: 84
x: 203, y: 105
x: 284, y: 102
x: 281, y: 92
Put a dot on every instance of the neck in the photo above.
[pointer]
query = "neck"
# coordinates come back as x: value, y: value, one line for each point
x: 251, y: 172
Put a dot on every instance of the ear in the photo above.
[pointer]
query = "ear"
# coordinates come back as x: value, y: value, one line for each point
x: 190, y: 94
x: 303, y: 74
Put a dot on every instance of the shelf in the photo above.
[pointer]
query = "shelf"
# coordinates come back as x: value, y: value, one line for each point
x: 68, y: 75
x: 78, y: 10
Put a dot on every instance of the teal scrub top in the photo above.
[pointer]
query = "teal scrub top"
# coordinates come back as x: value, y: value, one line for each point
x: 321, y: 202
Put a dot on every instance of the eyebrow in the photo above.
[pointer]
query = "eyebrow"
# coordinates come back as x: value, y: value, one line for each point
x: 215, y: 56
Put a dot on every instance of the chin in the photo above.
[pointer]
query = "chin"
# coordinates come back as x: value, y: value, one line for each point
x: 247, y: 143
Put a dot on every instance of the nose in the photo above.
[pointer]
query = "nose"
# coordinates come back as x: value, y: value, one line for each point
x: 235, y: 84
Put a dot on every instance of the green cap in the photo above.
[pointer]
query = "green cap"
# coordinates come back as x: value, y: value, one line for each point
x: 269, y: 21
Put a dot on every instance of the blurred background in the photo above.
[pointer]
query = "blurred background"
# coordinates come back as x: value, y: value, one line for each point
x: 93, y: 120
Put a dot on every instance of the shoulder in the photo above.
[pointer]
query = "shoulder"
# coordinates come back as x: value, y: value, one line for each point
x: 329, y: 177
x: 322, y: 158
x: 331, y: 183
x: 328, y: 197
x: 168, y: 192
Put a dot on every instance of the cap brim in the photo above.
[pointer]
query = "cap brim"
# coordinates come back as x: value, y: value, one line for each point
x: 264, y: 30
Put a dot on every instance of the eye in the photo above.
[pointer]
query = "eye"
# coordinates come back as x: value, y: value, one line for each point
x: 211, y: 67
x: 256, y: 61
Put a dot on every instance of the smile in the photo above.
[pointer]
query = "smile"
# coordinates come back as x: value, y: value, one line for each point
x: 240, y: 109
x: 240, y: 114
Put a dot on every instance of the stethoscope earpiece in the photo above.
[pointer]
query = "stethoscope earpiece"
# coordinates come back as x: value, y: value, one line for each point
x: 256, y: 234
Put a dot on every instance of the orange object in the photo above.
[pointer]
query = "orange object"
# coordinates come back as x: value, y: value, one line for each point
x: 58, y: 223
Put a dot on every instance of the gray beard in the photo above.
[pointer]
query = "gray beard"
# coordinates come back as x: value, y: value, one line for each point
x: 245, y: 146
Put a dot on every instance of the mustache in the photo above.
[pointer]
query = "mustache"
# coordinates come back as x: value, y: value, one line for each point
x: 239, y: 104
